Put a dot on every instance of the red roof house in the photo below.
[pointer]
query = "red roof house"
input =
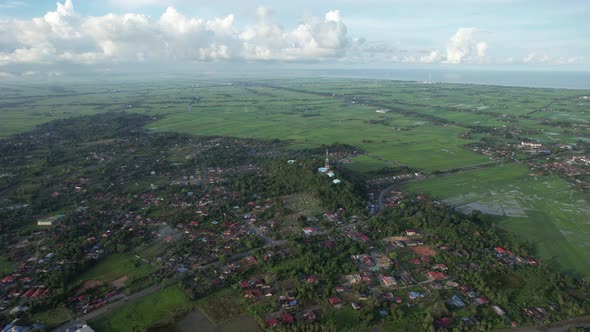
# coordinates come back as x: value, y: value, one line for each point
x: 287, y: 318
x: 271, y: 322
x: 500, y: 250
x: 313, y: 280
x: 415, y: 261
x: 363, y: 237
x: 335, y: 300
x: 436, y: 275
x: 411, y: 232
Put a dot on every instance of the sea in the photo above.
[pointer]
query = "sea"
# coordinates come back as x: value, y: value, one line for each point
x: 518, y: 78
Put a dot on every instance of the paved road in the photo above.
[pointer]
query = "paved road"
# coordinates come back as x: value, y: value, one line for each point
x: 561, y: 326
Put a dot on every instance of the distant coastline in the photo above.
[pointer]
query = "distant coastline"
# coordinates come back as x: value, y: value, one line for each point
x: 520, y: 78
x: 537, y: 78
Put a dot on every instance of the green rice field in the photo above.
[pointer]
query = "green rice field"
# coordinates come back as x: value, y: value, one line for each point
x: 546, y: 210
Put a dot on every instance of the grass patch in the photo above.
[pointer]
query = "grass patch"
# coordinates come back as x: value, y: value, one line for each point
x: 53, y: 318
x: 504, y: 280
x: 114, y: 267
x: 303, y: 203
x: 160, y: 308
x: 153, y: 251
x: 6, y: 265
x: 345, y: 319
x: 366, y: 164
x: 223, y: 305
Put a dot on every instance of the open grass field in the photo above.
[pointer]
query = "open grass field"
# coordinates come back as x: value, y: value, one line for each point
x: 114, y: 267
x: 163, y: 306
x: 152, y: 251
x: 366, y: 164
x: 222, y: 311
x: 54, y: 317
x: 546, y: 210
x: 222, y: 306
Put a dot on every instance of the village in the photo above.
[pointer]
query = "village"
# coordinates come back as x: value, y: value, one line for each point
x: 214, y: 213
x: 571, y: 162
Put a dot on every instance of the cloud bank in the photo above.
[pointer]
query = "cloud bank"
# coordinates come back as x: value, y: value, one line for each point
x: 65, y: 36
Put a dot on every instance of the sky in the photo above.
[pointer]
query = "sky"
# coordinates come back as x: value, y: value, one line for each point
x: 44, y: 36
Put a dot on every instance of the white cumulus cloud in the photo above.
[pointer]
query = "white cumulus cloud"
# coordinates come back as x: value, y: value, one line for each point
x: 65, y: 36
x: 432, y: 57
x: 464, y: 46
x: 537, y: 58
x: 312, y: 40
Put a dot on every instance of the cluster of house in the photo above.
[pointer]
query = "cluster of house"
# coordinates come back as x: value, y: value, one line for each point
x: 531, y: 147
x: 355, y: 235
x: 334, y: 217
x: 288, y: 318
x: 212, y: 238
x: 18, y: 325
x: 500, y: 151
x: 398, y: 242
x: 216, y: 175
x: 21, y: 288
x: 37, y: 258
x: 415, y: 277
x: 573, y: 168
x: 491, y: 151
x: 392, y: 179
x: 284, y: 318
x: 255, y: 289
x: 540, y: 312
x: 388, y: 277
x: 95, y: 299
x: 378, y: 272
x: 506, y: 257
x: 393, y: 198
x: 466, y: 296
x: 343, y: 157
x: 24, y: 286
x: 579, y: 160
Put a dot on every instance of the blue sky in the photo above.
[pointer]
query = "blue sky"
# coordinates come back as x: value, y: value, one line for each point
x: 511, y: 33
